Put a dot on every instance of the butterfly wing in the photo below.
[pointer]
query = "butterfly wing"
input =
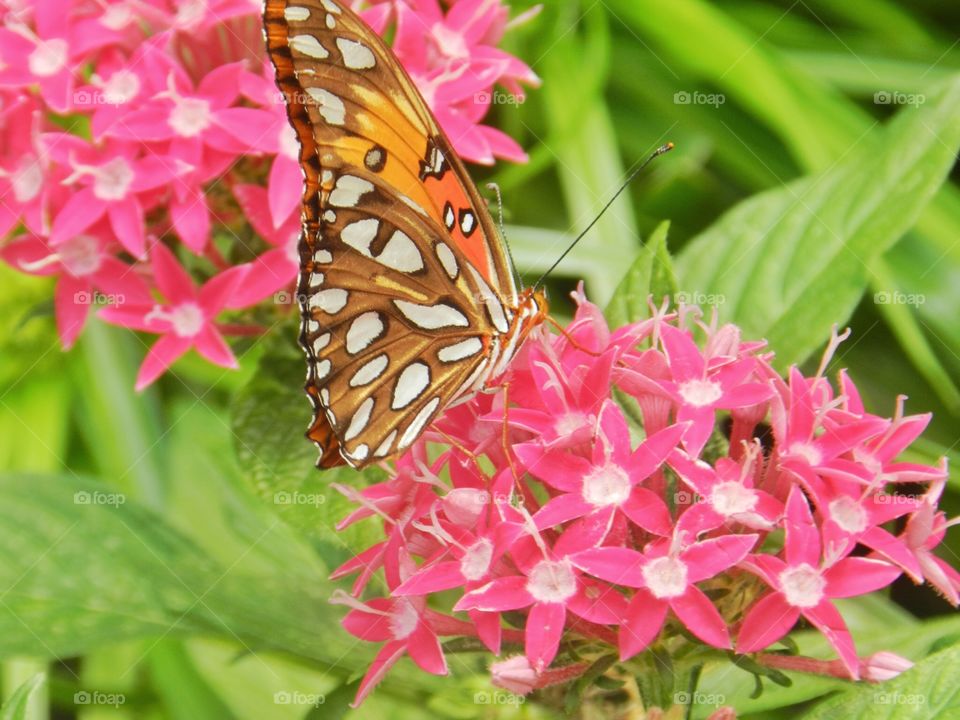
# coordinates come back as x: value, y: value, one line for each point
x: 405, y: 289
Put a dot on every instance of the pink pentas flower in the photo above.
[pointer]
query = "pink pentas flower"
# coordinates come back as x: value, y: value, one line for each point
x: 454, y: 62
x: 26, y: 180
x: 699, y: 390
x: 401, y: 624
x: 186, y: 320
x: 726, y: 491
x: 598, y: 489
x: 804, y: 582
x: 524, y: 526
x: 88, y: 275
x: 108, y: 181
x: 48, y: 52
x: 665, y: 575
x: 276, y: 268
x: 550, y: 585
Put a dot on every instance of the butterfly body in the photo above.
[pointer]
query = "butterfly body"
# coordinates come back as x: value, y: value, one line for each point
x: 408, y: 300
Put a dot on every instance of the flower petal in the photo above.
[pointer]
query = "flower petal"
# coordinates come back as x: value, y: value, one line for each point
x: 767, y: 621
x: 543, y: 633
x: 645, y: 617
x: 700, y: 617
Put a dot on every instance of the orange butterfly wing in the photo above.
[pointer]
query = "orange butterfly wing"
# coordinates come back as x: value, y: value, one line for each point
x: 408, y: 299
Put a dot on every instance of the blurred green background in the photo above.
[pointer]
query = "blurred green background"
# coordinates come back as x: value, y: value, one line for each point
x: 146, y: 540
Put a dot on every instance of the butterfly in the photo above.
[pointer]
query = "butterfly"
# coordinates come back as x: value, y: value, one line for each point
x: 408, y: 298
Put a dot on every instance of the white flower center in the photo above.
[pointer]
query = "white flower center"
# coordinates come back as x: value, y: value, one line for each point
x: 112, y: 179
x: 665, y: 577
x: 27, y: 179
x: 732, y: 498
x: 80, y: 255
x: 122, y: 87
x: 117, y: 16
x: 700, y: 393
x: 403, y: 619
x: 187, y: 319
x: 569, y: 423
x: 806, y: 451
x: 848, y: 514
x: 552, y: 582
x: 606, y: 485
x: 289, y: 145
x: 190, y: 13
x: 476, y: 561
x: 450, y: 42
x: 803, y: 586
x: 190, y: 116
x: 49, y: 57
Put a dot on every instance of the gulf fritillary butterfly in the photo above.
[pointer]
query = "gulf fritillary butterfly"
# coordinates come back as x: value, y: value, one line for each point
x: 408, y: 300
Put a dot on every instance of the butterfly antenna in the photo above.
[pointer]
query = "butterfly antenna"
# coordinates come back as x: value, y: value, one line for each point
x: 656, y: 153
x: 503, y: 233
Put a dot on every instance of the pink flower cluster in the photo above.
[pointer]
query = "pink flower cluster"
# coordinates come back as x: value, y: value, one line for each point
x: 557, y: 529
x: 144, y: 148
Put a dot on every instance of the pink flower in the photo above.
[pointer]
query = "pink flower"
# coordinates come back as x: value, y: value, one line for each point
x: 276, y: 268
x: 804, y: 583
x: 699, y: 389
x: 108, y: 182
x: 401, y: 624
x: 88, y: 274
x: 665, y: 576
x: 727, y: 492
x: 550, y: 586
x: 186, y: 320
x: 597, y: 489
x: 49, y: 53
x: 205, y: 134
x: 455, y: 65
x: 26, y: 183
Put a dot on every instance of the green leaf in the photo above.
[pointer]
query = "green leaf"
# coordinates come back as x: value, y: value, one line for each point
x: 789, y: 263
x: 17, y: 706
x: 83, y: 567
x: 650, y: 273
x: 269, y: 417
x: 928, y: 690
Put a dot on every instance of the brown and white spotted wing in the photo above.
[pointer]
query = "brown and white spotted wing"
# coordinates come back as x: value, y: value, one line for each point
x: 408, y: 299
